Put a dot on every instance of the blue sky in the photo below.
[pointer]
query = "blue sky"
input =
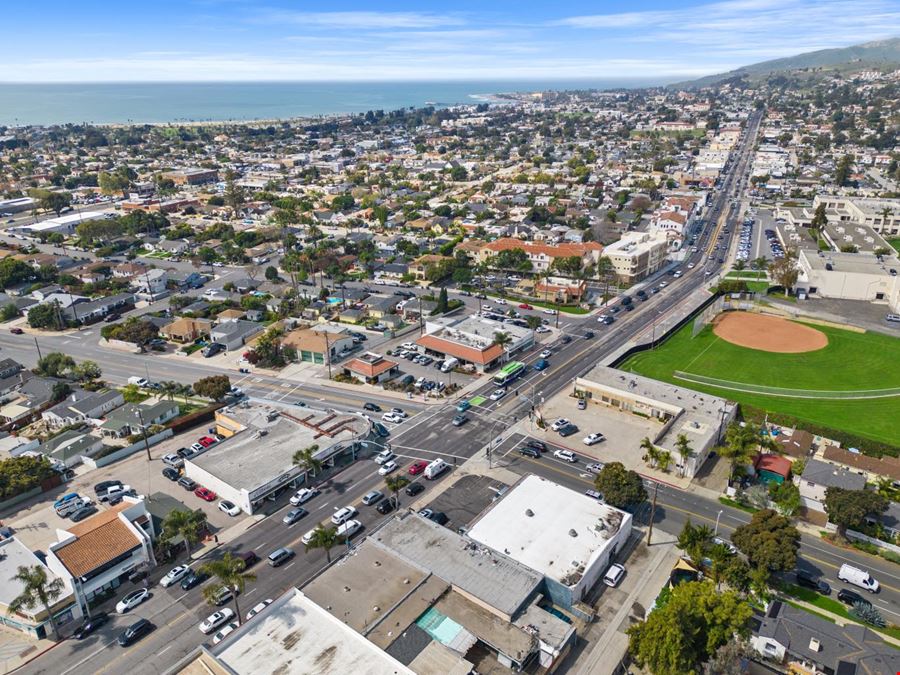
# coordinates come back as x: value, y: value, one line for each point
x: 191, y: 40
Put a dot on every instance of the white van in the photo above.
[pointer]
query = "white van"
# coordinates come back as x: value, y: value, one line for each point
x: 853, y: 575
x: 892, y: 317
x: 449, y: 364
x: 436, y: 468
x: 139, y: 381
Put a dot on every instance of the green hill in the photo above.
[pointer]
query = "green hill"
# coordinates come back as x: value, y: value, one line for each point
x: 877, y: 54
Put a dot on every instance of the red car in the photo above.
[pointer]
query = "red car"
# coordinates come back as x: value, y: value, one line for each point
x: 416, y: 468
x: 205, y: 494
x: 206, y: 441
x: 16, y: 331
x: 525, y: 305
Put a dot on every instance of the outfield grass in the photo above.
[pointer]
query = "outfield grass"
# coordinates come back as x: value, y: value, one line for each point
x: 851, y: 361
x: 895, y: 243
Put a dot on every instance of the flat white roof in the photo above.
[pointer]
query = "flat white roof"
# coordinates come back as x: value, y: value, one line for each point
x: 543, y: 540
x: 295, y: 635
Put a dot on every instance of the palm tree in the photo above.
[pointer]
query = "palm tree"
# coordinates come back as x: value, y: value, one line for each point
x: 395, y: 484
x: 719, y: 556
x: 605, y: 271
x: 651, y: 454
x: 739, y: 265
x: 325, y: 538
x: 38, y: 590
x: 184, y: 524
x: 694, y: 540
x: 761, y: 264
x: 169, y: 389
x: 683, y: 446
x: 741, y: 444
x: 306, y: 458
x: 663, y: 459
x: 502, y: 339
x: 229, y: 572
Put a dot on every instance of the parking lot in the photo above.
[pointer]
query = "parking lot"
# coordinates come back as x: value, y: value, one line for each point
x: 36, y: 523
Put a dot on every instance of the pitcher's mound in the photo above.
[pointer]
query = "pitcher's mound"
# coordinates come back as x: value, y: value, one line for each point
x: 768, y: 333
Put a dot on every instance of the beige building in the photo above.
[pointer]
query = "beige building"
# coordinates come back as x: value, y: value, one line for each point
x: 850, y: 276
x: 882, y: 215
x: 637, y: 254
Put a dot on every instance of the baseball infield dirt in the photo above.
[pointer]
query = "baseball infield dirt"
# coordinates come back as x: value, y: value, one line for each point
x: 768, y: 333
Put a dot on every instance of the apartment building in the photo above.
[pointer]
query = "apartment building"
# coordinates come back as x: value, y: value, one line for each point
x: 540, y: 255
x: 638, y: 254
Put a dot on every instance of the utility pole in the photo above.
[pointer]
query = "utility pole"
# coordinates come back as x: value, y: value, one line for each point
x: 144, y: 432
x: 38, y: 347
x: 652, y: 512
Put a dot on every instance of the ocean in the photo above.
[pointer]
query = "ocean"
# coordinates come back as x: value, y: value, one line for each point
x: 137, y: 103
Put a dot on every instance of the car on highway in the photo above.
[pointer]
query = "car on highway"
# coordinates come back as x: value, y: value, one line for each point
x: 135, y: 632
x: 388, y: 467
x: 459, y: 420
x: 205, y: 494
x: 174, y: 575
x: 528, y: 451
x: 559, y: 424
x: 16, y: 331
x: 541, y: 364
x: 132, y: 600
x: 374, y: 407
x: 545, y: 354
x: 303, y: 495
x: 90, y: 625
x: 497, y: 394
x: 192, y: 579
x: 279, y: 556
x: 525, y: 305
x: 216, y: 619
x: 348, y: 529
x: 230, y: 508
x: 258, y: 607
x: 414, y: 489
x: 417, y: 467
x: 393, y: 418
x: 343, y: 515
x: 565, y: 455
x: 384, y: 456
x: 594, y: 438
x: 596, y: 467
x: 294, y: 515
x: 372, y: 497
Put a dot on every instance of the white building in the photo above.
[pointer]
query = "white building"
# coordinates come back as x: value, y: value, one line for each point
x: 64, y: 224
x: 637, y: 254
x: 568, y: 537
x: 850, y: 276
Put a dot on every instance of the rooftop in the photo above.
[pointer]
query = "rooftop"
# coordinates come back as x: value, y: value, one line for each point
x: 549, y: 528
x: 99, y: 539
x: 500, y: 582
x: 13, y: 555
x: 295, y: 635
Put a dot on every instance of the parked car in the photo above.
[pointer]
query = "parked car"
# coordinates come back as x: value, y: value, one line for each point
x: 417, y: 467
x: 173, y: 460
x: 135, y: 632
x: 386, y: 505
x: 372, y: 497
x: 294, y: 515
x: 132, y: 600
x: 614, y: 575
x: 849, y: 597
x: 343, y: 515
x: 187, y: 483
x: 193, y: 579
x: 90, y: 625
x: 103, y: 487
x: 257, y: 608
x: 230, y: 508
x: 414, y: 489
x: 82, y: 513
x: 171, y: 473
x: 568, y: 430
x: 559, y: 424
x: 174, y: 575
x: 205, y: 494
x: 16, y: 331
x: 591, y: 439
x: 815, y: 583
x: 215, y: 620
x: 225, y: 632
x: 303, y: 495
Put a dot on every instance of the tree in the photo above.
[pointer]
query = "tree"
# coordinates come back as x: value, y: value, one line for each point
x: 684, y: 449
x: 228, y: 572
x: 185, y: 524
x: 679, y: 637
x: 325, y: 538
x: 501, y: 338
x: 761, y: 264
x: 619, y: 486
x: 54, y: 364
x: 741, y: 445
x: 112, y: 183
x: 234, y: 193
x: 395, y: 484
x: 56, y: 201
x: 849, y: 508
x: 87, y: 371
x: 769, y: 541
x: 37, y: 590
x: 842, y: 173
x: 306, y: 458
x: 47, y: 315
x: 729, y: 659
x: 14, y: 272
x: 443, y: 303
x: 695, y: 540
x: 785, y: 270
x: 60, y: 391
x: 271, y: 273
x: 215, y: 387
x: 786, y: 496
x: 819, y: 220
x: 651, y: 452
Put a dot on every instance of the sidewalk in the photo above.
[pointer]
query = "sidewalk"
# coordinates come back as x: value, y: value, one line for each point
x: 227, y: 535
x: 17, y: 649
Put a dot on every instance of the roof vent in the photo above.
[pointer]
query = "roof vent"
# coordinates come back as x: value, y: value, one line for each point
x: 346, y: 589
x: 573, y: 533
x: 377, y: 563
x: 376, y: 608
x: 814, y: 645
x: 529, y: 513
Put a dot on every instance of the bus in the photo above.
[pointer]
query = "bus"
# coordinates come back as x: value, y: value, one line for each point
x: 508, y: 373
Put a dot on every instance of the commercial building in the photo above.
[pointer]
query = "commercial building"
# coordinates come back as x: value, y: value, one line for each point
x: 638, y: 254
x: 882, y: 215
x: 256, y: 458
x: 192, y: 176
x: 471, y: 340
x: 96, y: 555
x: 850, y: 276
x: 35, y: 621
x: 568, y: 537
x: 16, y: 205
x: 675, y: 409
x: 371, y: 368
x: 63, y: 224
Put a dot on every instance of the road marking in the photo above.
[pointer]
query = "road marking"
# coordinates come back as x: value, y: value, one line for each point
x: 290, y: 565
x: 163, y: 651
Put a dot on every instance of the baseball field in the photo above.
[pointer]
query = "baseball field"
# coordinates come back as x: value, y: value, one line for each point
x: 828, y: 376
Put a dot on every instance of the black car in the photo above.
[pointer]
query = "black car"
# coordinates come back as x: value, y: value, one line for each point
x: 566, y: 339
x: 414, y: 488
x: 540, y: 446
x: 83, y: 512
x: 374, y: 407
x: 388, y: 505
x: 528, y: 451
x: 90, y: 625
x: 809, y: 581
x: 135, y: 632
x: 170, y: 473
x: 101, y: 488
x: 184, y: 452
x: 193, y: 578
x: 588, y: 334
x: 608, y: 320
x: 568, y: 430
x: 438, y: 517
x: 849, y: 597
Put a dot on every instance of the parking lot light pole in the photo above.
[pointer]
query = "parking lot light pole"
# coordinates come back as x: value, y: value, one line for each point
x: 718, y: 515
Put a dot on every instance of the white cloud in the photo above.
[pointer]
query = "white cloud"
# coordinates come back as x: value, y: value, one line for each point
x: 361, y: 20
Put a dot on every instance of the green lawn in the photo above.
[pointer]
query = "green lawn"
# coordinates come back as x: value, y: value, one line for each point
x: 851, y: 361
x: 895, y: 243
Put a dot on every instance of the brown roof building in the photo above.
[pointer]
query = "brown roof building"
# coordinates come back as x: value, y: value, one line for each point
x: 371, y: 368
x: 871, y: 467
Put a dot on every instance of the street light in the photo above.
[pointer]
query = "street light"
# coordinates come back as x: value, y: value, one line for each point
x: 718, y: 515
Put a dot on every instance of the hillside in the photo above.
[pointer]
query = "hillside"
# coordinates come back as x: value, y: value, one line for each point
x: 868, y: 55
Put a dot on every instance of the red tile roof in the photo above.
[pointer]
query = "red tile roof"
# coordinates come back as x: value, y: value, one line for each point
x: 101, y: 538
x: 532, y: 248
x: 370, y: 369
x: 774, y: 464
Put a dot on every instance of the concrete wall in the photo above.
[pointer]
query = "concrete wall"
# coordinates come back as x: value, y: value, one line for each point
x: 126, y: 451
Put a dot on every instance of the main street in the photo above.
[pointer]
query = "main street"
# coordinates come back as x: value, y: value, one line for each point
x: 426, y: 435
